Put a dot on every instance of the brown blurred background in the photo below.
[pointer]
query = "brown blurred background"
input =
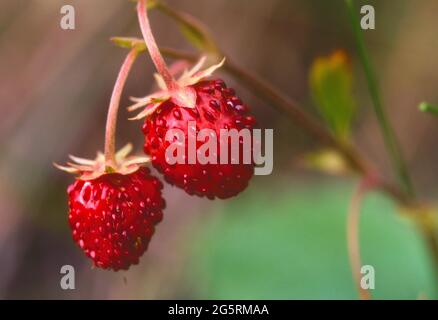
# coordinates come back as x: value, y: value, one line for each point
x: 54, y: 92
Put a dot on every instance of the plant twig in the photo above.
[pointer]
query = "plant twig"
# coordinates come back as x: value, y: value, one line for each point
x: 389, y: 136
x: 297, y: 114
x: 353, y: 223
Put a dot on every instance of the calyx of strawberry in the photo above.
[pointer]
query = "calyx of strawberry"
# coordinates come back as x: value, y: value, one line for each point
x: 181, y: 94
x: 90, y: 169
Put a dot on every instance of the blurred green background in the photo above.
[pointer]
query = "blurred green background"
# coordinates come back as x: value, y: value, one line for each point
x: 284, y: 237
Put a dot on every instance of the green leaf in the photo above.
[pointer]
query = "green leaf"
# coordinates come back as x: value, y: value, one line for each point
x: 191, y: 28
x: 195, y: 37
x: 151, y: 4
x: 129, y: 43
x: 325, y: 160
x: 427, y: 107
x: 331, y: 89
x: 292, y: 245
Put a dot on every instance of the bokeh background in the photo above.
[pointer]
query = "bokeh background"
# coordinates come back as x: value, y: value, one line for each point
x: 284, y: 237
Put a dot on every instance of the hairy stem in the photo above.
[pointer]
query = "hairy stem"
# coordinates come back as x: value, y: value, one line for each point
x: 151, y: 44
x: 353, y: 223
x: 388, y: 133
x: 111, y: 122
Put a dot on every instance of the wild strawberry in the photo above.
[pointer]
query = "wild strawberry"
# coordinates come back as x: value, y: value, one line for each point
x: 115, y: 203
x: 113, y: 212
x: 216, y: 108
x: 113, y: 217
x: 211, y: 105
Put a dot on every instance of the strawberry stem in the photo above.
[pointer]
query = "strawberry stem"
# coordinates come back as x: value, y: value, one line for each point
x: 151, y: 44
x: 353, y: 224
x: 111, y: 123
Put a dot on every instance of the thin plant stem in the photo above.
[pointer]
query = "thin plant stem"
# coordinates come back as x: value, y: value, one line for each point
x: 151, y: 44
x: 111, y: 122
x: 389, y: 136
x: 353, y: 242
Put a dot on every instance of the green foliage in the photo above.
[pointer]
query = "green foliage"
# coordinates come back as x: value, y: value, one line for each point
x: 331, y: 88
x: 129, y: 43
x: 195, y: 37
x: 192, y: 29
x: 427, y: 107
x: 293, y: 246
x: 326, y: 160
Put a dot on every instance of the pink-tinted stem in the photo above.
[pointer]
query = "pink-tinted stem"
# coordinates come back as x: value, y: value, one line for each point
x: 111, y: 122
x: 151, y: 44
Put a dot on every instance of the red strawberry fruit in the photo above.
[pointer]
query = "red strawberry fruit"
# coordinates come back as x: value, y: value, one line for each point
x: 113, y: 217
x: 192, y: 99
x: 113, y: 212
x: 216, y: 108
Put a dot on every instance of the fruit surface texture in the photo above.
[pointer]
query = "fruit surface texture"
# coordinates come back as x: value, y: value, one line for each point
x: 113, y: 217
x: 217, y: 107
